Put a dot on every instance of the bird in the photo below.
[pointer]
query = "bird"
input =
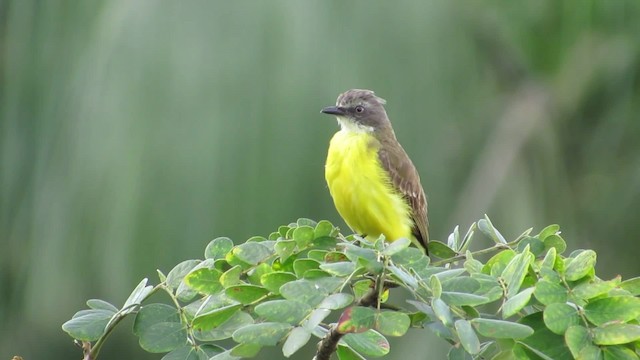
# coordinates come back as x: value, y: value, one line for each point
x: 374, y: 185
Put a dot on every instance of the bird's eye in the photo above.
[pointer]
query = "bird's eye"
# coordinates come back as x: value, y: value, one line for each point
x: 359, y: 108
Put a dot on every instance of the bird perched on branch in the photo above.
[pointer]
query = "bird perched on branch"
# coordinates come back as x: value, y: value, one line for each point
x: 374, y: 185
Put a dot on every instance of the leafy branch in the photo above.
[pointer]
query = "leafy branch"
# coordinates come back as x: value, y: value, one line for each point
x: 513, y: 299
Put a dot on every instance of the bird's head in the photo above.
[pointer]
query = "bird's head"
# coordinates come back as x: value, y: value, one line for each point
x: 359, y: 110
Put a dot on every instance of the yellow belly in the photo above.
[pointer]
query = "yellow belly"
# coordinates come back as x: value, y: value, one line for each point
x: 361, y: 188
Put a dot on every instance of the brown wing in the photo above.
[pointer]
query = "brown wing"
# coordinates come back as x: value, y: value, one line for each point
x: 406, y: 180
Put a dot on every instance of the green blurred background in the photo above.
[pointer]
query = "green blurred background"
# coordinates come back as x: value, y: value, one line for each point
x: 133, y: 132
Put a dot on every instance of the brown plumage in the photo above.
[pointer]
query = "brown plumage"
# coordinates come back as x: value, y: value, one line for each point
x: 406, y: 180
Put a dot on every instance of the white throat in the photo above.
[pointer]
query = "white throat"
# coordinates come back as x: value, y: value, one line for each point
x: 352, y: 126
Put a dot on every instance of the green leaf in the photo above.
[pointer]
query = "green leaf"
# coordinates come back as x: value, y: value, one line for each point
x: 231, y: 276
x: 325, y: 243
x: 98, y: 304
x: 246, y: 350
x: 336, y: 301
x: 152, y: 314
x: 137, y: 296
x: 88, y: 325
x: 316, y: 318
x: 301, y: 266
x: 315, y: 273
x: 548, y: 292
x: 284, y: 248
x: 304, y: 291
x: 591, y: 289
x: 186, y: 352
x: 516, y: 303
x: 225, y: 329
x: 296, y: 340
x: 535, y: 245
x: 288, y: 311
x: 189, y: 352
x: 323, y: 228
x: 340, y: 269
x: 283, y: 230
x: 458, y: 353
x: 577, y: 338
x: 257, y: 239
x: 321, y: 255
x: 204, y: 280
x: 555, y: 241
x: 616, y: 334
x: 501, y: 329
x: 468, y: 337
x: 453, y: 241
x: 396, y: 246
x: 330, y: 256
x: 462, y: 284
x: 590, y: 353
x: 403, y: 276
x: 486, y: 227
x: 346, y: 353
x: 246, y: 294
x: 449, y: 274
x: 327, y: 285
x: 218, y: 248
x: 306, y: 222
x: 436, y: 286
x: 632, y: 286
x: 558, y: 317
x: 356, y: 319
x: 225, y: 356
x: 411, y: 257
x: 159, y: 328
x: 252, y: 253
x: 617, y: 308
x: 543, y: 341
x: 273, y: 281
x: 185, y: 293
x: 354, y: 252
x: 473, y: 266
x: 516, y: 270
x: 362, y: 287
x: 547, y: 231
x: 580, y: 266
x: 440, y: 249
x: 619, y: 353
x: 255, y: 274
x: 498, y: 262
x: 549, y: 260
x: 392, y: 323
x: 442, y: 311
x: 460, y: 299
x: 214, y: 318
x: 303, y: 236
x: 265, y: 334
x: 370, y: 343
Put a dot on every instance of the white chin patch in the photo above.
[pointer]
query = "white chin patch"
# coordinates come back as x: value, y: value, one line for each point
x: 350, y: 125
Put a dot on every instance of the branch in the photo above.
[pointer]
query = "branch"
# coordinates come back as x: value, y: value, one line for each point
x: 329, y: 343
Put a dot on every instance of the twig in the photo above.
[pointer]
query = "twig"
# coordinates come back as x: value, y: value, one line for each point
x: 329, y: 343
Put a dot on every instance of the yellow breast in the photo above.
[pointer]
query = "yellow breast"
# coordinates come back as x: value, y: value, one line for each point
x: 362, y: 190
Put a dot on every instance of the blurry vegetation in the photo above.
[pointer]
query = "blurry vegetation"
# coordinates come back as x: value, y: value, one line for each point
x: 131, y: 132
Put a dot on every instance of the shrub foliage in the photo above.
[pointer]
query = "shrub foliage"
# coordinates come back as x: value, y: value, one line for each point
x: 519, y: 299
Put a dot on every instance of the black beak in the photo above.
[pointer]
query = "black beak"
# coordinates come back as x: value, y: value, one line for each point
x: 334, y: 110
